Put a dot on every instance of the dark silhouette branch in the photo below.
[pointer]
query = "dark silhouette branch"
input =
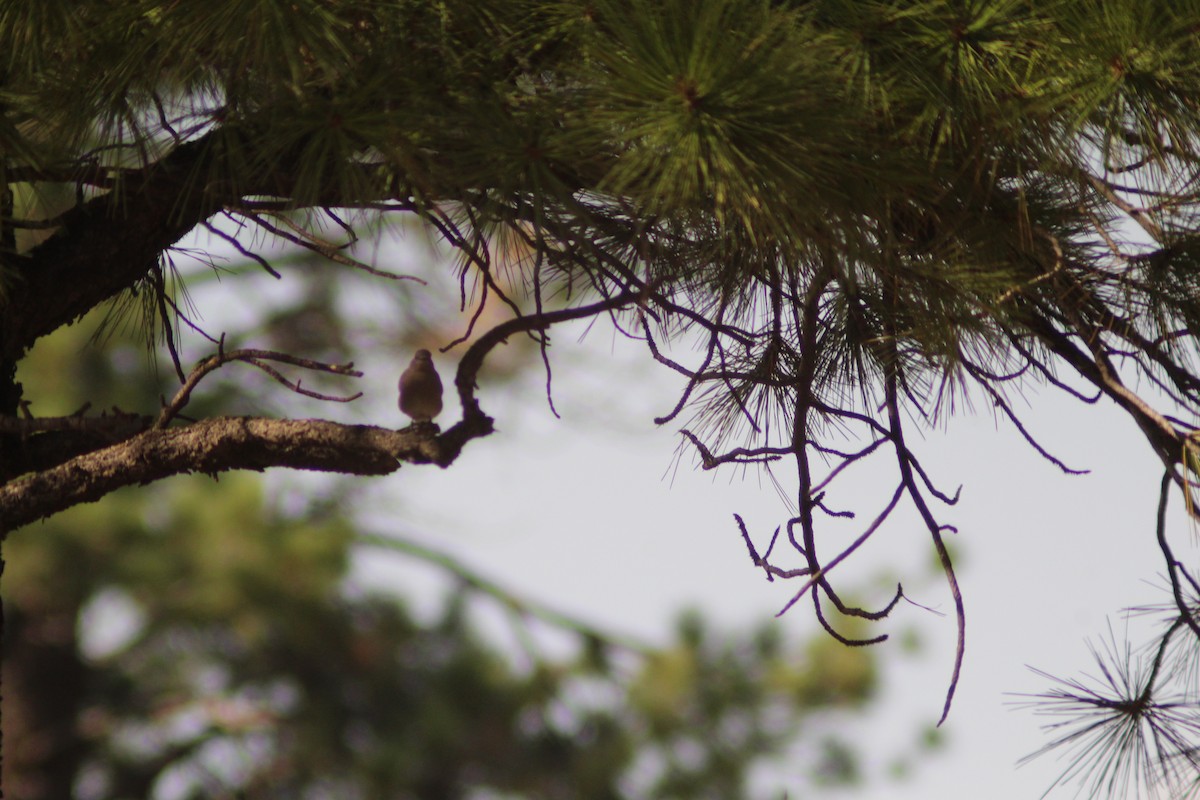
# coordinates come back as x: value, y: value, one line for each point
x: 905, y: 463
x: 818, y: 575
x: 256, y: 358
x: 105, y: 246
x: 472, y: 360
x: 1175, y: 568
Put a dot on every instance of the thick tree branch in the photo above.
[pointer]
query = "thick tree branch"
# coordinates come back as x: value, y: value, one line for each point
x: 228, y: 443
x: 219, y: 445
x: 105, y: 246
x: 42, y: 443
x: 109, y: 243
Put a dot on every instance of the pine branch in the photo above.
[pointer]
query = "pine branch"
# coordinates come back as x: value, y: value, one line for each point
x: 105, y: 246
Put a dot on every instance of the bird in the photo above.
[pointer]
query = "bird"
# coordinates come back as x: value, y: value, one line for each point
x: 421, y: 388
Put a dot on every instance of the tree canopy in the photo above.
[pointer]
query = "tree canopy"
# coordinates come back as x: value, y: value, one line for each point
x: 861, y: 214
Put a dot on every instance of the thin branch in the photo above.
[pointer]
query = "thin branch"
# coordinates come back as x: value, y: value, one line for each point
x: 1002, y: 404
x: 472, y: 360
x: 242, y: 249
x: 845, y: 640
x: 256, y: 358
x: 302, y: 237
x: 1174, y: 567
x: 905, y: 462
x: 739, y: 455
x: 823, y: 570
x: 771, y: 570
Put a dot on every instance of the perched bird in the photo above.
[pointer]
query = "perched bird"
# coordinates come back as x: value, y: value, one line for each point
x: 421, y: 388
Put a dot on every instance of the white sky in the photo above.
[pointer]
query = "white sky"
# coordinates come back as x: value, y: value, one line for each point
x: 577, y: 513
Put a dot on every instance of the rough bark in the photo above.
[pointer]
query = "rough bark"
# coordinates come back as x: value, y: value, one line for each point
x: 217, y: 445
x: 105, y: 246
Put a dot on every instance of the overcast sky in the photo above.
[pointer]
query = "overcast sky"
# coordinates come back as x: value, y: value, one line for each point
x: 575, y: 512
x: 592, y: 514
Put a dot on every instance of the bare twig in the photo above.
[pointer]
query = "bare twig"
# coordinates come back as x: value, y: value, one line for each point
x: 256, y: 358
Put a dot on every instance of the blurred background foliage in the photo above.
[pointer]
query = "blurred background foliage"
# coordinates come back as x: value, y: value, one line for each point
x: 199, y: 640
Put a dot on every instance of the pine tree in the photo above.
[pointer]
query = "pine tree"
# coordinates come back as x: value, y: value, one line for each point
x: 865, y: 211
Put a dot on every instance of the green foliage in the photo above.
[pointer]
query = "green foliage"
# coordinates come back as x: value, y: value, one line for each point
x: 925, y: 152
x: 245, y: 657
x: 861, y: 209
